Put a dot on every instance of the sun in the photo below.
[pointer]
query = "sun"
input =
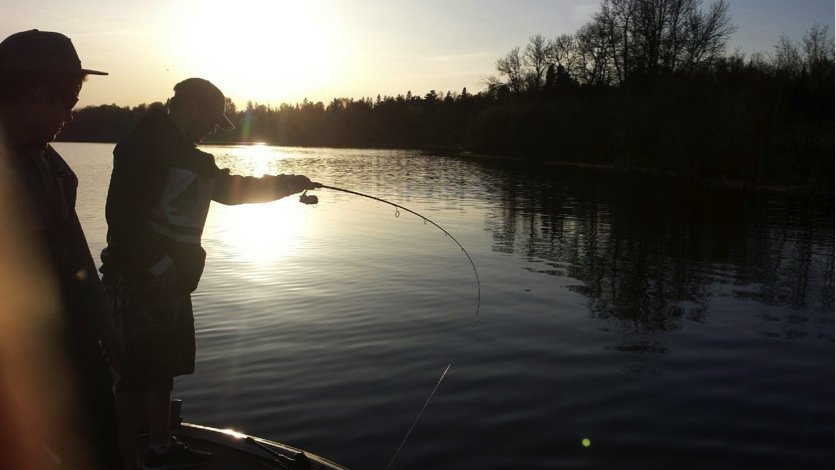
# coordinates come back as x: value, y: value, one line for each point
x: 267, y: 51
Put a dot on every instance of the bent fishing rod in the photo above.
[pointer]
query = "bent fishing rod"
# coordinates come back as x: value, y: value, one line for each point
x: 311, y: 199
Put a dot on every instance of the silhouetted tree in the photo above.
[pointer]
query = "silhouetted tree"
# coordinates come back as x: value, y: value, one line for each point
x: 511, y: 67
x: 818, y: 51
x: 787, y: 57
x: 592, y: 64
x: 646, y: 38
x: 537, y: 58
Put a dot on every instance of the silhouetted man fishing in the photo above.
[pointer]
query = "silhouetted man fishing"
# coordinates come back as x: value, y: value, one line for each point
x: 157, y: 204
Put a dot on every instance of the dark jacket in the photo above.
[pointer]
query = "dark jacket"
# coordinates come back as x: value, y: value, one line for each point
x: 49, y: 190
x: 159, y: 196
x: 40, y: 194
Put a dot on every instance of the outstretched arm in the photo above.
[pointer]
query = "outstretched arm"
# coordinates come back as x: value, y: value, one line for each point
x: 235, y: 189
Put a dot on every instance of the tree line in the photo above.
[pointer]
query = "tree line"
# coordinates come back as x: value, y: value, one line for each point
x: 645, y: 84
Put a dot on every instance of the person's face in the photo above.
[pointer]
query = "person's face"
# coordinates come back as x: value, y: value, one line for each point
x: 201, y: 123
x: 52, y: 109
x: 59, y: 105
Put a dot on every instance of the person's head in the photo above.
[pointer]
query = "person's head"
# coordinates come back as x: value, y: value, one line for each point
x: 40, y: 78
x: 197, y: 108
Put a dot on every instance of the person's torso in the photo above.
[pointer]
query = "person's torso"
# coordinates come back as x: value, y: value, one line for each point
x: 50, y: 186
x: 177, y: 182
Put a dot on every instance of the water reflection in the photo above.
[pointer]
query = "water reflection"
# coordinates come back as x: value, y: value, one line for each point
x: 260, y: 234
x: 651, y: 253
x: 713, y: 316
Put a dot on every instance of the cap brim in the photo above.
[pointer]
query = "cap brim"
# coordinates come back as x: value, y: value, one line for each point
x: 92, y: 72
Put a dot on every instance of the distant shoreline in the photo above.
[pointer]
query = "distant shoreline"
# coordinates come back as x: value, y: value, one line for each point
x: 719, y: 181
x: 655, y: 172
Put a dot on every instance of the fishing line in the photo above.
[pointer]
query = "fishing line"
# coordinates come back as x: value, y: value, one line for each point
x: 426, y: 404
x: 311, y: 199
x: 306, y: 198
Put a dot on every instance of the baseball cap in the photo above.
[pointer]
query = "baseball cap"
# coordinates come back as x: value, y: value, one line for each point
x: 204, y: 92
x: 43, y: 52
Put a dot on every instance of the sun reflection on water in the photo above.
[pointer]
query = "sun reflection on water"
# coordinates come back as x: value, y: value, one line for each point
x: 258, y: 233
x: 263, y: 233
x: 250, y: 160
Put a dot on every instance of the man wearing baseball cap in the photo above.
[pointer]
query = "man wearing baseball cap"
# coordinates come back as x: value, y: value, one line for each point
x: 40, y: 79
x: 159, y: 196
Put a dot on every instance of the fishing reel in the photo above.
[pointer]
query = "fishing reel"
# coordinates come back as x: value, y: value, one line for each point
x: 308, y: 199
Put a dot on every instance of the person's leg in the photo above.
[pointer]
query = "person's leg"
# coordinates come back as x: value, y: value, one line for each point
x: 103, y: 421
x: 157, y: 409
x: 177, y: 342
x: 93, y: 421
x: 144, y: 318
x: 131, y: 419
x: 166, y: 451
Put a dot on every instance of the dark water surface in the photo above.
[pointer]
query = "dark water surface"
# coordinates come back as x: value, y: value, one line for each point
x: 670, y: 326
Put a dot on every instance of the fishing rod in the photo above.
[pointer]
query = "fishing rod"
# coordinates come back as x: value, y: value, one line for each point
x: 310, y: 199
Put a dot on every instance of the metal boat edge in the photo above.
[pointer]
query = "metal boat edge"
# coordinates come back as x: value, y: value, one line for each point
x: 230, y: 446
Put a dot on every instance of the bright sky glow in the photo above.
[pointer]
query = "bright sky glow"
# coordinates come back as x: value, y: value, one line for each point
x: 283, y: 51
x: 266, y: 50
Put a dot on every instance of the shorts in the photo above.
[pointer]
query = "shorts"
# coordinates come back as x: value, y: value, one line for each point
x: 157, y: 326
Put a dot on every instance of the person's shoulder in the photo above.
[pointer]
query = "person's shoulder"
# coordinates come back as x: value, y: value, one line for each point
x: 56, y: 160
x: 203, y: 154
x: 204, y: 161
x: 150, y: 135
x: 59, y: 167
x: 51, y: 154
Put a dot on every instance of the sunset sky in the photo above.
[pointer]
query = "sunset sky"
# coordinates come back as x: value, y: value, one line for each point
x: 284, y: 51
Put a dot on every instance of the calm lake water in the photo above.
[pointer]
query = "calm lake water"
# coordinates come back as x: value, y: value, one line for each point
x: 669, y: 327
